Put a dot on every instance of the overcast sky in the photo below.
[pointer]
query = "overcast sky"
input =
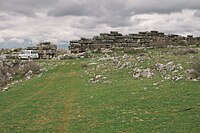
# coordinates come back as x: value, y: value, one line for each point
x: 26, y: 22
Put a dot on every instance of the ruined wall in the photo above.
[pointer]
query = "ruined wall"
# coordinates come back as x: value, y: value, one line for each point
x: 115, y: 40
x: 46, y: 50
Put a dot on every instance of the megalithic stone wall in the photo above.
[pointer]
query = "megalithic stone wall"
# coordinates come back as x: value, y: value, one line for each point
x: 46, y: 50
x: 115, y: 40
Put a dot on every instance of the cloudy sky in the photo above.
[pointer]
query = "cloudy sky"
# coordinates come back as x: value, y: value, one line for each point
x: 27, y: 22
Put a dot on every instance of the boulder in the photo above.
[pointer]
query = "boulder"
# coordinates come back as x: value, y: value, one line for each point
x: 167, y: 67
x: 29, y: 74
x: 145, y: 73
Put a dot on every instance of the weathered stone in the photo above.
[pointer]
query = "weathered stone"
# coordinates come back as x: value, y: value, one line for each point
x: 29, y: 74
x: 145, y: 73
x: 191, y: 74
x: 176, y: 78
x: 167, y: 67
x: 115, y: 40
x: 5, y: 89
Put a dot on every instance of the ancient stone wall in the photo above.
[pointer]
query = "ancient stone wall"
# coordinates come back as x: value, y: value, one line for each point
x: 115, y: 40
x: 46, y: 50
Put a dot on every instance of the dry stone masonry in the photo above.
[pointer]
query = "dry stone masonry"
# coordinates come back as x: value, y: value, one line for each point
x: 46, y: 50
x: 115, y: 40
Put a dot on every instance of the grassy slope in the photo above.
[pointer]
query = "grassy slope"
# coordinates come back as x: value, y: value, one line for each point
x: 63, y: 101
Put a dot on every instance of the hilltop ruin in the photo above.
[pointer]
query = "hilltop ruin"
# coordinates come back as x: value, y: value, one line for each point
x: 46, y: 50
x: 115, y: 40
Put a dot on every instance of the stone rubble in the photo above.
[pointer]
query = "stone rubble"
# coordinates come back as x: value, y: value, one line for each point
x: 111, y: 62
x: 191, y: 74
x: 11, y: 68
x: 142, y: 73
x: 165, y: 68
x: 72, y: 56
x: 29, y: 74
x: 170, y: 71
x: 99, y: 78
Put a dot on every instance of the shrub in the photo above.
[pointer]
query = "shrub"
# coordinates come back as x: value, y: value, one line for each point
x: 16, y: 68
x: 5, y: 75
x: 84, y: 65
x: 195, y: 66
x: 185, y: 51
x: 134, y: 50
x: 30, y: 65
x: 160, y: 44
x: 25, y: 66
x: 181, y: 43
x: 129, y: 50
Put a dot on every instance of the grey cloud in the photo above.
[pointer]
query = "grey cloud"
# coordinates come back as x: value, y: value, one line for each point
x: 12, y: 43
x: 111, y: 12
x: 120, y: 7
x: 3, y: 17
x: 197, y: 13
x: 24, y: 7
x: 162, y: 6
x: 117, y: 12
x: 93, y: 22
x: 71, y: 19
x: 89, y: 8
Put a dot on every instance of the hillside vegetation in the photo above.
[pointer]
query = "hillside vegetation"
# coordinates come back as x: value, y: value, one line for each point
x: 148, y: 91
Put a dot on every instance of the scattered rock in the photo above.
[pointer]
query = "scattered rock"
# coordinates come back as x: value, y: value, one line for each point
x: 5, y: 89
x: 155, y: 84
x: 106, y: 50
x: 99, y: 78
x: 67, y: 56
x: 29, y: 74
x: 145, y: 73
x: 176, y: 78
x: 93, y: 63
x: 191, y: 74
x: 165, y: 68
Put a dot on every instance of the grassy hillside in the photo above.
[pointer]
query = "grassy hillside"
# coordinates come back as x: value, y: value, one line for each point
x: 64, y: 100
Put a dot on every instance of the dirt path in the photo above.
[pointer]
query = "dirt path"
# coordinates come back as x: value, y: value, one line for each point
x: 66, y: 114
x: 64, y: 128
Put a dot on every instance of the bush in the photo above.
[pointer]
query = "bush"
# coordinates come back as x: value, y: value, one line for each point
x: 160, y: 44
x: 134, y: 50
x: 5, y: 74
x: 10, y: 69
x: 181, y: 43
x: 30, y: 65
x: 195, y: 66
x: 84, y: 65
x: 25, y: 66
x: 185, y: 51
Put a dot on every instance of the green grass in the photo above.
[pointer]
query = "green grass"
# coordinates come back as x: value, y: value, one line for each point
x: 62, y: 100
